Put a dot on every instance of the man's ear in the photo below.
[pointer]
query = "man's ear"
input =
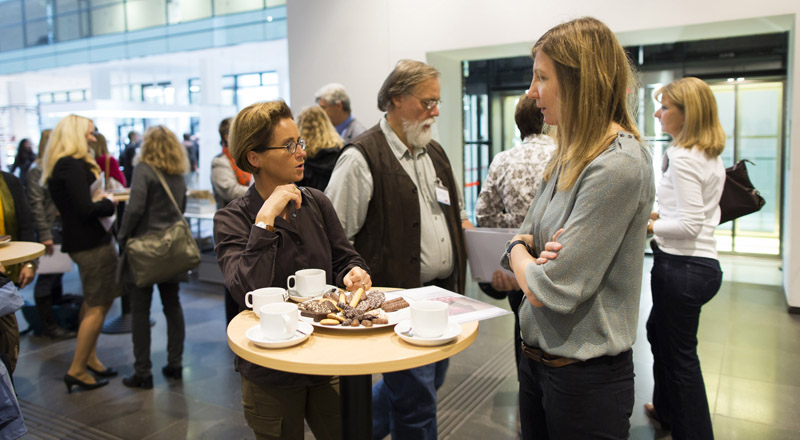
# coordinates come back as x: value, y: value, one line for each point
x: 254, y: 159
x: 397, y: 100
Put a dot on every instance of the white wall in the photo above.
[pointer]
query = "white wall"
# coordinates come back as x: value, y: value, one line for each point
x: 357, y: 42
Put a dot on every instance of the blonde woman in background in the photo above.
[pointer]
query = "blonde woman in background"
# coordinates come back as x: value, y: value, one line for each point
x: 686, y: 273
x: 323, y: 146
x: 105, y: 161
x: 69, y: 171
x: 151, y: 209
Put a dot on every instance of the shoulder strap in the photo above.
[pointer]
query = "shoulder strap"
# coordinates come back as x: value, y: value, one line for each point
x: 169, y: 193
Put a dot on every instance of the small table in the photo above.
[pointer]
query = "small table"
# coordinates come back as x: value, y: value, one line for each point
x: 15, y: 252
x: 199, y: 217
x: 367, y: 352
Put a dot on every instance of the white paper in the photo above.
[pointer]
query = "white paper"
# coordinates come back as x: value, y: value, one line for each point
x: 485, y: 247
x: 97, y: 191
x: 59, y: 262
x: 462, y: 308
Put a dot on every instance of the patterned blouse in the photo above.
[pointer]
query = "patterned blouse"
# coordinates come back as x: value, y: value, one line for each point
x: 514, y: 176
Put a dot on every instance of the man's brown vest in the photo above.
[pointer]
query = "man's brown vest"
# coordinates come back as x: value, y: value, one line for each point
x: 389, y: 241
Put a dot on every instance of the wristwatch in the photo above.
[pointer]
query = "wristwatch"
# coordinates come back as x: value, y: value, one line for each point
x: 262, y: 225
x: 511, y: 246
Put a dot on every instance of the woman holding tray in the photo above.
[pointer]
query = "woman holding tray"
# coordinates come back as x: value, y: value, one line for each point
x: 263, y: 237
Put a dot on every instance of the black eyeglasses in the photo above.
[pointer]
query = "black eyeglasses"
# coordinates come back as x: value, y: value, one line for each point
x: 429, y: 104
x: 291, y: 147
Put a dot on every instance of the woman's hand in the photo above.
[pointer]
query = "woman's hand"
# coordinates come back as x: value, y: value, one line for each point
x: 653, y: 217
x: 503, y: 282
x: 48, y: 247
x: 551, y: 249
x: 357, y: 277
x: 277, y: 202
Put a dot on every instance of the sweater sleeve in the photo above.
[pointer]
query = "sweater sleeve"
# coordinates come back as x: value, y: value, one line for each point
x: 606, y: 202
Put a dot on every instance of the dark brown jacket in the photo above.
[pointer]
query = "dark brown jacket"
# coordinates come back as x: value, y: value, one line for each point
x: 251, y: 258
x: 390, y: 239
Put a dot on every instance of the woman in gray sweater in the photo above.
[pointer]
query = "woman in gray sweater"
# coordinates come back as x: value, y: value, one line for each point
x: 579, y: 320
x: 151, y: 209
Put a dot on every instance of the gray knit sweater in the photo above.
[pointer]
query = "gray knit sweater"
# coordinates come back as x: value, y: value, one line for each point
x: 591, y: 291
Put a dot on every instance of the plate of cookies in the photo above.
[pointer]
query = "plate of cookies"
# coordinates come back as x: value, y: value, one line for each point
x: 355, y: 311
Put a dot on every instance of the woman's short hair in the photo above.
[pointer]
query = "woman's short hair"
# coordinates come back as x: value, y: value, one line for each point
x: 528, y: 117
x: 252, y: 129
x: 406, y: 75
x: 318, y: 131
x: 99, y: 146
x: 68, y: 139
x: 701, y: 126
x: 161, y: 149
x: 596, y: 87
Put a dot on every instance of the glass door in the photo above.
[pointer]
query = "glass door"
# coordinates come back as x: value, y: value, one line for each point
x: 752, y: 116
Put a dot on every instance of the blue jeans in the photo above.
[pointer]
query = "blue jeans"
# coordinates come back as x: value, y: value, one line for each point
x: 591, y: 399
x: 680, y: 286
x: 404, y: 403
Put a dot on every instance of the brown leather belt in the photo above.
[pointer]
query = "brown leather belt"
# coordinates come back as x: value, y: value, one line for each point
x: 547, y: 359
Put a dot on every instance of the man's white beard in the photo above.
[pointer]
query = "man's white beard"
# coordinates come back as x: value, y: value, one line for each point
x: 418, y: 134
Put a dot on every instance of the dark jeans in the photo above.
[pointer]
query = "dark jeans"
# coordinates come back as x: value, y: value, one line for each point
x: 141, y: 299
x: 404, y: 403
x: 592, y: 399
x: 680, y: 286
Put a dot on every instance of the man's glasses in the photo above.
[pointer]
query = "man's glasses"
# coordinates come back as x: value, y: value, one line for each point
x: 291, y: 147
x: 429, y: 104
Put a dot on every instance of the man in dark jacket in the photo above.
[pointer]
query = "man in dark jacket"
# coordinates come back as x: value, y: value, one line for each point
x: 395, y: 193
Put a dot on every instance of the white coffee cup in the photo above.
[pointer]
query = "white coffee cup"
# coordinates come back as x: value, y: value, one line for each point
x: 279, y: 320
x: 307, y: 282
x: 267, y: 295
x: 429, y: 319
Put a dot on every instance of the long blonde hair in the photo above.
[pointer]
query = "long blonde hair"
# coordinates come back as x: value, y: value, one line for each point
x: 316, y: 128
x: 100, y: 147
x: 68, y: 139
x: 594, y: 77
x: 162, y: 150
x: 701, y: 126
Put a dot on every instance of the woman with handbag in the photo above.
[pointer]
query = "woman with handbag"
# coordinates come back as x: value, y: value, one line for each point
x: 157, y: 202
x: 686, y: 273
x: 70, y: 172
x: 263, y: 237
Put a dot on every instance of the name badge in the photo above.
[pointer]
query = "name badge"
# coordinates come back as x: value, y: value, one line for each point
x: 442, y: 194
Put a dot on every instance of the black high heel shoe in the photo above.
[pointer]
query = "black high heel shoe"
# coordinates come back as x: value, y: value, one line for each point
x: 134, y: 381
x: 71, y: 381
x: 108, y: 372
x: 173, y: 372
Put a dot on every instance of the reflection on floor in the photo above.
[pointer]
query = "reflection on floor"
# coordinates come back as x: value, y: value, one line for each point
x: 749, y: 348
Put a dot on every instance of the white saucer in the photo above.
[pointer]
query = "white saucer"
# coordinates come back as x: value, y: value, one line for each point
x: 403, y: 328
x: 256, y: 337
x: 297, y: 298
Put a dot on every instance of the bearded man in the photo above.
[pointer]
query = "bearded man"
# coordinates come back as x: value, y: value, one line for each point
x: 395, y: 194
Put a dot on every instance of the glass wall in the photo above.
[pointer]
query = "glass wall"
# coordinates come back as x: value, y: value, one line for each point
x: 27, y: 23
x: 242, y: 89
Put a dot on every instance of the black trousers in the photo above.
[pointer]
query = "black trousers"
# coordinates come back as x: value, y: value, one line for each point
x: 141, y: 300
x: 680, y: 286
x: 592, y: 399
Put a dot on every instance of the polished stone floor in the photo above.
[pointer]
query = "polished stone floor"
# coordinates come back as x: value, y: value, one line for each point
x: 749, y: 348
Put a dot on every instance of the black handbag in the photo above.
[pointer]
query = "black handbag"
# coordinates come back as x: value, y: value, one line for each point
x: 739, y: 196
x: 160, y: 256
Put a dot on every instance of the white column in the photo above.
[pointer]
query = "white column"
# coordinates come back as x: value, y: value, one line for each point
x: 211, y: 113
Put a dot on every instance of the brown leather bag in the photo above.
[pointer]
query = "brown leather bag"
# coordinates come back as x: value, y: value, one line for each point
x: 739, y: 196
